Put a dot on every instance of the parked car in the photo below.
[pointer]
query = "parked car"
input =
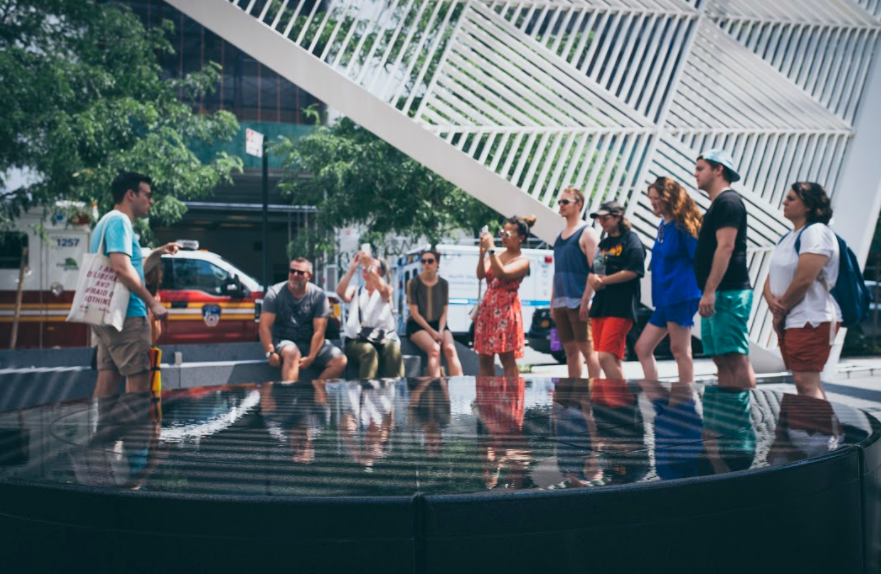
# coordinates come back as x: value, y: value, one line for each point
x: 212, y: 301
x: 542, y: 330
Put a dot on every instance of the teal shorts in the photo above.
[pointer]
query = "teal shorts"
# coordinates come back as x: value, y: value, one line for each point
x: 728, y: 330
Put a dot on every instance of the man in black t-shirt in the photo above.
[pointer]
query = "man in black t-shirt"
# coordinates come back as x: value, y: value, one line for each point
x: 720, y: 267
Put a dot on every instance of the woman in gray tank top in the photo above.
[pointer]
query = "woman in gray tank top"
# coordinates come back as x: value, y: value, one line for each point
x: 428, y: 297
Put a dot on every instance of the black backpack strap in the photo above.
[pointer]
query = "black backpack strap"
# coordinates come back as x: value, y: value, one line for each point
x: 358, y: 306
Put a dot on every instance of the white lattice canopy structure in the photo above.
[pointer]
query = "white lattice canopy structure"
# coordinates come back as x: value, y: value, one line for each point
x: 514, y: 101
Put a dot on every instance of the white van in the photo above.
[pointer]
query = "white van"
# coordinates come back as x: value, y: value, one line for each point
x: 457, y: 265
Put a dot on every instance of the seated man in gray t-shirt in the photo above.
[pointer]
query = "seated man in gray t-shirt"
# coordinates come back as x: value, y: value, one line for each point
x: 293, y: 323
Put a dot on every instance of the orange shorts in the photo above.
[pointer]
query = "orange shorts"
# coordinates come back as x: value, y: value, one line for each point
x: 610, y: 335
x: 806, y: 349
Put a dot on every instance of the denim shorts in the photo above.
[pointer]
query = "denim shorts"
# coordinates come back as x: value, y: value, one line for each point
x: 679, y: 313
x: 728, y: 330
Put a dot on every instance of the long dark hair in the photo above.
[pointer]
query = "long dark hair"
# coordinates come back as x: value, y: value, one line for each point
x: 815, y: 199
x: 153, y: 279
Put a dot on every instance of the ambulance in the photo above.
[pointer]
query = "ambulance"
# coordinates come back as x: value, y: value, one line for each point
x: 458, y: 264
x: 55, y: 242
x: 209, y: 299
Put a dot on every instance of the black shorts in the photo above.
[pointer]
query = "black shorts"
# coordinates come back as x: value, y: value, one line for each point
x: 413, y: 327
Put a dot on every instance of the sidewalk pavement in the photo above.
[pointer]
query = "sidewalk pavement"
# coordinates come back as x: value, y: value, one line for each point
x: 858, y: 383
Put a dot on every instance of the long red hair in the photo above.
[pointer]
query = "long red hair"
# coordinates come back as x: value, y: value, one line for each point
x: 681, y: 207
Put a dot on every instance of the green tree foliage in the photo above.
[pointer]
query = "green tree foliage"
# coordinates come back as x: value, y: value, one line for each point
x: 83, y: 98
x: 357, y: 178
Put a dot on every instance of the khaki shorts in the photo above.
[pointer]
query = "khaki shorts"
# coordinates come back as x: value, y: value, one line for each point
x: 570, y: 327
x: 126, y: 351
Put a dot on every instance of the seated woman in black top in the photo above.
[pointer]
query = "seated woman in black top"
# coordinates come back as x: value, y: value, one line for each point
x: 428, y: 297
x: 617, y: 267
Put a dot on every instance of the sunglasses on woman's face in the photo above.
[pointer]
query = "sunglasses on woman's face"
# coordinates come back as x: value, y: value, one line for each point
x: 505, y: 234
x: 428, y: 261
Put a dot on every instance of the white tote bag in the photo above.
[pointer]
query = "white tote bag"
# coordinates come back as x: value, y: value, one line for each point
x: 100, y: 298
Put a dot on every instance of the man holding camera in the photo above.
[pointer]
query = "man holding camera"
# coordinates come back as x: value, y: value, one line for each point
x: 293, y: 323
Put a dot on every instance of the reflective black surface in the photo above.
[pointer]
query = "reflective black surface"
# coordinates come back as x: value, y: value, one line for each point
x: 405, y: 437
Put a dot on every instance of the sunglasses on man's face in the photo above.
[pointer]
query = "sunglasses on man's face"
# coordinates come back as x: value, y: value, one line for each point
x: 298, y: 272
x: 565, y: 201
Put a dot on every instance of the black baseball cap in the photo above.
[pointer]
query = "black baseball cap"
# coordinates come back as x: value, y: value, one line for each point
x: 608, y: 208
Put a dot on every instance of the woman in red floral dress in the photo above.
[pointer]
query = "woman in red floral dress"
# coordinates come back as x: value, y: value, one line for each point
x: 499, y: 326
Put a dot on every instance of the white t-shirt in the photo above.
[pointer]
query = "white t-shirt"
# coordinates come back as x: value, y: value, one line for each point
x: 818, y: 306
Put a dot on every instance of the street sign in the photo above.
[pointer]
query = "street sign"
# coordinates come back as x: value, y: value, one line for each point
x: 253, y: 143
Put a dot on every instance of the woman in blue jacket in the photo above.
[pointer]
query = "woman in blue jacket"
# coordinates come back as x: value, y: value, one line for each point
x: 675, y: 294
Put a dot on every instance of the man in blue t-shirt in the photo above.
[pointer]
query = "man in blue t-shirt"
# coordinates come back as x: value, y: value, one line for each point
x: 126, y: 353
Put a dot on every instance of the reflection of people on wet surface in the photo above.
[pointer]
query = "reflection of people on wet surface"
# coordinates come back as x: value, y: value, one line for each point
x: 729, y: 435
x: 122, y: 451
x: 806, y: 428
x: 575, y: 430
x: 429, y: 412
x: 620, y: 431
x: 300, y: 410
x: 503, y: 448
x: 366, y: 418
x: 678, y: 429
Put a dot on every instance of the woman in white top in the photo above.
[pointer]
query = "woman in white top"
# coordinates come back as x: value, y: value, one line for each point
x: 371, y: 340
x: 804, y: 268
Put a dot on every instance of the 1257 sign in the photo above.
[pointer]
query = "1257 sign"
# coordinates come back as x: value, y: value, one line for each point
x: 67, y: 242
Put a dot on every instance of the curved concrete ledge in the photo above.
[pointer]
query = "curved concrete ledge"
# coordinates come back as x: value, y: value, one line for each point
x: 229, y: 497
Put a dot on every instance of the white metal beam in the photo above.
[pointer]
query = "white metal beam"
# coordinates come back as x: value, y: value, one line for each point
x: 298, y: 65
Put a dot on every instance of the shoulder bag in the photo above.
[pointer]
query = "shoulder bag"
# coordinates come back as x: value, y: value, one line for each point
x: 100, y: 298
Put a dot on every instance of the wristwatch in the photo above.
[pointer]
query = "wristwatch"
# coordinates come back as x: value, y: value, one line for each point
x: 491, y: 251
x: 269, y: 353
